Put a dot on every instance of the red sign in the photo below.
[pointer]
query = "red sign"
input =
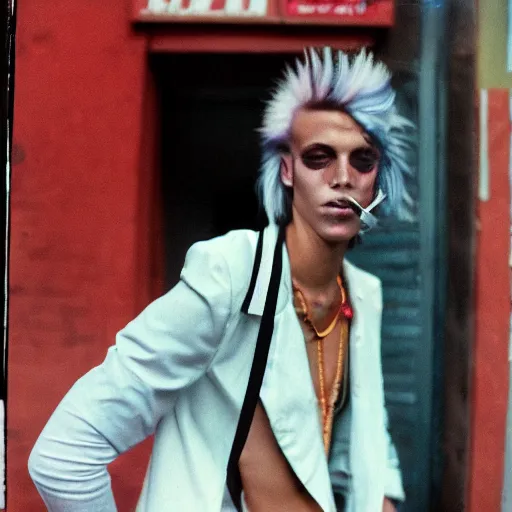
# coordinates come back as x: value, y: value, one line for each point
x: 330, y: 12
x: 227, y: 9
x: 357, y: 12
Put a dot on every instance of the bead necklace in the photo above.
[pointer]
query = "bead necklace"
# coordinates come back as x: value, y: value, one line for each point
x: 327, y: 406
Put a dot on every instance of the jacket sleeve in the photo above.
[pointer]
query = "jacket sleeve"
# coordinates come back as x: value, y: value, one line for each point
x: 393, y: 487
x: 119, y: 403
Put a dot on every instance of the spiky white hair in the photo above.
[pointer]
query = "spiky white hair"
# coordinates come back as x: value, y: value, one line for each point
x: 358, y: 86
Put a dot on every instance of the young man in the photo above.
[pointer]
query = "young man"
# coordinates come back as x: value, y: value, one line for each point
x: 260, y: 371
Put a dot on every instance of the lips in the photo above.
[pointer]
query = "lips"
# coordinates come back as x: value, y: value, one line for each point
x: 340, y: 209
x: 342, y: 204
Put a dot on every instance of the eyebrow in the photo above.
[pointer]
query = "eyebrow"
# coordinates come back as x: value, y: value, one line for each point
x: 371, y: 140
x: 330, y: 147
x: 318, y: 145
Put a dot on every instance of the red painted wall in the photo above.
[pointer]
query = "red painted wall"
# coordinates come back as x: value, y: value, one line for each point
x: 490, y: 372
x: 77, y: 271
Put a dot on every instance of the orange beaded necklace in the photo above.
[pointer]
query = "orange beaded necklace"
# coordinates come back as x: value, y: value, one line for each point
x: 343, y: 314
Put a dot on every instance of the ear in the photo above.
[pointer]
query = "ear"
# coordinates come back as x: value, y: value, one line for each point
x: 286, y: 170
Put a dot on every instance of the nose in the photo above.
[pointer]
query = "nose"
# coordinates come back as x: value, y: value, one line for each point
x: 343, y: 173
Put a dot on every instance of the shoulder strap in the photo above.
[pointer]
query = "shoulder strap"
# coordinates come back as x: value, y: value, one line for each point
x: 254, y: 276
x: 234, y: 481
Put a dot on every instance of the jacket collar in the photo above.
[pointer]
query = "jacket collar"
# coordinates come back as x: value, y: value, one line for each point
x: 352, y: 274
x: 254, y: 302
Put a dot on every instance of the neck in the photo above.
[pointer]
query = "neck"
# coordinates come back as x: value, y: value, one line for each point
x: 315, y: 263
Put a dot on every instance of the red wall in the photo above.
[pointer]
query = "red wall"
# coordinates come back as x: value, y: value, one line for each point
x: 490, y: 372
x: 77, y: 271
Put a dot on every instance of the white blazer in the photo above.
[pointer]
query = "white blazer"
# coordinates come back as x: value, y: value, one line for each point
x: 180, y: 370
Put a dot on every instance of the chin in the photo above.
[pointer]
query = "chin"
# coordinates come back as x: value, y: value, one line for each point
x: 338, y: 234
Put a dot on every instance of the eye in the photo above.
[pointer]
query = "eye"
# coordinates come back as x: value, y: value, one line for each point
x: 318, y: 157
x: 364, y: 159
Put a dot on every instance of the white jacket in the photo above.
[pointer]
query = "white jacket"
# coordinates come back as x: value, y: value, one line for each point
x: 180, y: 370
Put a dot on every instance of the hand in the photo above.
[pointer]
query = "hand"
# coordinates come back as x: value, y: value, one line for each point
x: 388, y: 506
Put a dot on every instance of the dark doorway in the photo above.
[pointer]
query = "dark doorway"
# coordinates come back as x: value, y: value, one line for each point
x: 211, y: 111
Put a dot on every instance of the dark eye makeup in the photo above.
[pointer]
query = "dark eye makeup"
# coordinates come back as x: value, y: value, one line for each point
x: 318, y: 157
x: 363, y: 159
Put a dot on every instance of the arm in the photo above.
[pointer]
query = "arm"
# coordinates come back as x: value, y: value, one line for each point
x: 119, y: 403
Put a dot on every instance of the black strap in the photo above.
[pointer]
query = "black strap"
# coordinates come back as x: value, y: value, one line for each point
x: 254, y: 276
x: 234, y: 481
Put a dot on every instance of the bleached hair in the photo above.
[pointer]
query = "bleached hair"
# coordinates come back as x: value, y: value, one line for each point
x: 356, y: 85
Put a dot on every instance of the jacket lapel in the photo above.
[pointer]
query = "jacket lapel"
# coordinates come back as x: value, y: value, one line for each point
x: 255, y: 299
x: 291, y: 405
x: 365, y: 460
x: 357, y: 296
x: 287, y: 392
